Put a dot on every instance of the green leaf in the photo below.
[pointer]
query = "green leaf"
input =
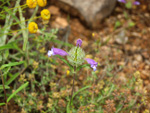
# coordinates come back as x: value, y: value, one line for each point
x: 125, y: 14
x: 68, y: 107
x: 12, y: 79
x: 111, y: 89
x: 131, y: 24
x: 82, y: 66
x: 70, y: 101
x: 117, y: 24
x: 12, y: 45
x: 119, y: 107
x: 6, y: 87
x: 65, y: 61
x: 7, y: 46
x: 7, y: 25
x: 1, y: 104
x: 80, y: 90
x: 24, y: 31
x: 18, y: 90
x: 129, y: 5
x: 6, y: 54
x: 1, y: 58
x: 11, y: 64
x: 6, y: 70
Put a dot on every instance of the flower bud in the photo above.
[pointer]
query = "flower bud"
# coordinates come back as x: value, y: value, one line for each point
x: 45, y: 14
x: 31, y: 3
x: 42, y: 3
x: 33, y: 27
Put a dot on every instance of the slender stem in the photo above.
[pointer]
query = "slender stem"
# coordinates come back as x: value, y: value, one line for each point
x: 73, y: 84
x: 93, y: 88
x: 4, y: 90
x: 34, y: 14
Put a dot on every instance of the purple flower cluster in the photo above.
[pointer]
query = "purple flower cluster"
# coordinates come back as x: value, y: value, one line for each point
x: 57, y: 51
x: 134, y: 3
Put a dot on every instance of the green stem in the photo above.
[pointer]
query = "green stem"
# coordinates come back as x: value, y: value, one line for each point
x: 34, y: 13
x: 71, y: 100
x: 4, y: 91
x: 8, y: 23
x: 93, y: 88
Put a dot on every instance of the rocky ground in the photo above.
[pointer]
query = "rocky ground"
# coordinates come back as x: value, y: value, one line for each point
x: 126, y: 45
x: 122, y: 40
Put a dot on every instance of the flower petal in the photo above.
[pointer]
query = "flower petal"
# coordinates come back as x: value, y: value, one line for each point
x: 58, y: 51
x: 92, y: 63
x: 79, y: 42
x: 136, y: 3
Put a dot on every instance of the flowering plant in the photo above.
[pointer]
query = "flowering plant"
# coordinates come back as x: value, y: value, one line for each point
x: 76, y: 55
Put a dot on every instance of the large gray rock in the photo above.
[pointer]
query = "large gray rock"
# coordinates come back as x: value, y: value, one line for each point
x: 92, y: 11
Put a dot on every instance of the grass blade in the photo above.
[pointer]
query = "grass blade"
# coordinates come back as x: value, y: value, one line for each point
x: 1, y: 104
x: 8, y: 24
x: 12, y: 78
x: 80, y: 91
x: 68, y: 107
x: 6, y: 87
x: 11, y: 64
x: 66, y: 62
x: 19, y: 89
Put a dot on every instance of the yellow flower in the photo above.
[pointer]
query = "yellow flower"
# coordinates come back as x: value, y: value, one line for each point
x: 89, y: 56
x: 42, y: 50
x: 49, y: 105
x: 45, y: 14
x: 33, y: 94
x: 106, y: 89
x: 33, y: 27
x: 42, y: 3
x: 31, y: 76
x: 23, y: 111
x: 56, y: 95
x: 22, y: 78
x: 31, y: 102
x: 137, y: 74
x: 80, y: 97
x: 35, y: 65
x: 93, y: 34
x: 52, y: 84
x: 31, y: 3
x: 68, y: 72
x: 146, y: 111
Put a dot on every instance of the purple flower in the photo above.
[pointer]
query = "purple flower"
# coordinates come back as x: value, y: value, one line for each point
x: 136, y: 3
x: 123, y: 1
x: 56, y: 51
x: 79, y: 42
x: 92, y: 63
